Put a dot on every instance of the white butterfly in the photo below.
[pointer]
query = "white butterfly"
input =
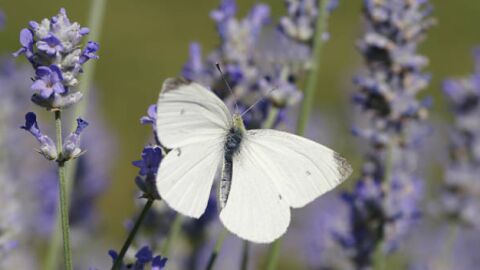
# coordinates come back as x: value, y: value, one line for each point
x: 265, y: 171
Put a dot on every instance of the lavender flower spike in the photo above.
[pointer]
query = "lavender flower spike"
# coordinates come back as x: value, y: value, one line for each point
x: 143, y: 257
x: 151, y: 157
x: 47, y: 146
x: 71, y: 146
x: 53, y: 47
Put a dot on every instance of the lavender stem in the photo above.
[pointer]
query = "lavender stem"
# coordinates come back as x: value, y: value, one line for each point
x: 311, y: 86
x: 172, y: 234
x: 131, y: 235
x: 63, y: 195
x: 309, y: 95
x: 97, y: 12
x: 246, y: 249
x: 216, y: 250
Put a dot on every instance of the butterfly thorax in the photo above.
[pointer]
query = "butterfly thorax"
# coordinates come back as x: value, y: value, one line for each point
x: 234, y: 137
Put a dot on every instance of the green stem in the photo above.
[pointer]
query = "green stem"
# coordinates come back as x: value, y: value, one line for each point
x: 246, y: 249
x: 271, y: 117
x: 172, y: 235
x: 273, y: 254
x: 97, y: 12
x: 448, y: 255
x: 379, y: 256
x: 216, y: 250
x: 311, y: 85
x: 67, y: 254
x: 308, y: 100
x: 131, y: 235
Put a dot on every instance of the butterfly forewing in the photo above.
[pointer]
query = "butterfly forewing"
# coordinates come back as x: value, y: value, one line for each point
x: 192, y: 122
x: 188, y: 113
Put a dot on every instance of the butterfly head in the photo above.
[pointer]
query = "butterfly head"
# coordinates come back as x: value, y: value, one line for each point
x: 238, y: 122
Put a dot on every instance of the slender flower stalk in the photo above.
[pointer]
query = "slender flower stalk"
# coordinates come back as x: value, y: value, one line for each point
x: 63, y: 197
x: 318, y: 39
x: 172, y: 235
x: 119, y: 259
x: 245, y: 255
x: 151, y: 157
x: 97, y: 12
x: 311, y: 86
x: 216, y: 250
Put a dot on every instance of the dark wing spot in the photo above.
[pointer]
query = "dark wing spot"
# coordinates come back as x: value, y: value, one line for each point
x: 174, y: 83
x: 344, y: 169
x: 280, y: 197
x: 308, y: 173
x: 182, y: 111
x: 179, y: 152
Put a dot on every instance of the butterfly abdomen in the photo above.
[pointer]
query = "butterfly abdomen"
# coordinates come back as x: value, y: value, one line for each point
x: 232, y: 146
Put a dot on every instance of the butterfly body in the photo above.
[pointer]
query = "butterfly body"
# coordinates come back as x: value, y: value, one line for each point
x: 265, y: 172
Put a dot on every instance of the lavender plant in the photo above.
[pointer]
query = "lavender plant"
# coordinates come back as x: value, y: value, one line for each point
x: 460, y: 196
x: 385, y: 201
x: 53, y: 48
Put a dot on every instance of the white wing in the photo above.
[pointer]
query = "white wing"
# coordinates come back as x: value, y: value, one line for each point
x: 254, y: 210
x: 188, y: 112
x: 186, y: 174
x: 302, y: 169
x: 193, y: 122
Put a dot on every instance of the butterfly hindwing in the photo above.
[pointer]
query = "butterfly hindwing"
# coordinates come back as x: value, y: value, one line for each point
x: 254, y: 210
x: 302, y: 169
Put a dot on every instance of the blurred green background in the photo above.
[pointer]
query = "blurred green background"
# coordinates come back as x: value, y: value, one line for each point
x: 145, y: 41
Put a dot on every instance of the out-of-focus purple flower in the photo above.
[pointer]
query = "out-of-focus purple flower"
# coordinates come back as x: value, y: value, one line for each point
x: 143, y: 258
x: 255, y: 58
x: 461, y: 189
x: 300, y: 22
x: 47, y: 146
x: 385, y: 201
x: 54, y: 44
x: 151, y: 157
x: 71, y: 146
x: 2, y: 20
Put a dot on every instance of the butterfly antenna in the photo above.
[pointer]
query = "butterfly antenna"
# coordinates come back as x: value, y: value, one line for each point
x: 260, y: 99
x: 228, y: 86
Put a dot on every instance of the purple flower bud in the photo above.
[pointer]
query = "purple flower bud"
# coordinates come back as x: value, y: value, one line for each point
x: 144, y: 255
x: 51, y: 45
x: 47, y: 146
x: 227, y: 10
x: 151, y: 117
x: 151, y: 158
x: 159, y: 263
x: 26, y: 40
x: 89, y: 52
x: 71, y: 146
